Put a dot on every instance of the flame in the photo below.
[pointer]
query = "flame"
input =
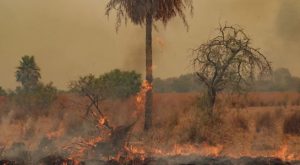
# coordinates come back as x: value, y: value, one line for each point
x: 187, y: 149
x: 140, y: 97
x: 213, y: 150
x: 101, y: 121
x: 283, y: 153
x: 135, y: 151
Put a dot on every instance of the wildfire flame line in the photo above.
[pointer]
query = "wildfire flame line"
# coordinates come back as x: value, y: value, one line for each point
x: 140, y: 97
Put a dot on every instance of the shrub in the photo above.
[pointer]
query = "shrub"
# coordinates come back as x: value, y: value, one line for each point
x: 240, y: 122
x: 264, y: 122
x: 121, y: 84
x: 32, y: 95
x: 198, y: 126
x: 39, y: 98
x: 46, y: 94
x: 191, y: 127
x: 291, y: 124
x: 2, y: 92
x: 115, y: 84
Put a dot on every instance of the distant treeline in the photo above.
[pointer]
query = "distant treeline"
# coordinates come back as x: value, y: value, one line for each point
x: 282, y: 80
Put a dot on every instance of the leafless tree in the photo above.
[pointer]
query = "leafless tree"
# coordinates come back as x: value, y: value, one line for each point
x: 113, y: 139
x: 228, y: 62
x: 145, y: 12
x: 96, y: 92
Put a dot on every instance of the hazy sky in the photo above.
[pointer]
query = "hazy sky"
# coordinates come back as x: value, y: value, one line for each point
x: 70, y: 38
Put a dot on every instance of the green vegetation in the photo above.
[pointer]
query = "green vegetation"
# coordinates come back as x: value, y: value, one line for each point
x: 121, y: 84
x: 115, y: 84
x: 32, y: 94
x: 28, y: 73
x: 2, y: 92
x: 282, y: 81
x: 181, y: 84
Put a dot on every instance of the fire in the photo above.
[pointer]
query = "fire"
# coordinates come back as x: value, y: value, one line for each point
x: 101, y: 121
x: 283, y: 153
x: 187, y: 149
x: 140, y: 97
x: 213, y: 150
x: 135, y: 152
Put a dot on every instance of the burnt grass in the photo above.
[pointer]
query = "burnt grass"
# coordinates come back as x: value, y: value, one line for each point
x: 168, y: 160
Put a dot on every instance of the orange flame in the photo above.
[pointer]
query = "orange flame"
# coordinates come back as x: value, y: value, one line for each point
x: 283, y: 153
x: 187, y: 149
x: 101, y: 121
x: 140, y: 97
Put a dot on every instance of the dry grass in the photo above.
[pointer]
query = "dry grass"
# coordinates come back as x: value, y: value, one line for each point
x: 241, y: 122
x: 265, y: 122
x: 291, y: 124
x: 258, y: 118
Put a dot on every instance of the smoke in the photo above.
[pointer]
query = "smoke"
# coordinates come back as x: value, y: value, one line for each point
x: 135, y: 57
x: 288, y: 20
x: 40, y: 134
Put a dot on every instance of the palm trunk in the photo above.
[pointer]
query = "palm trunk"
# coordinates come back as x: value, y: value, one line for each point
x: 149, y: 77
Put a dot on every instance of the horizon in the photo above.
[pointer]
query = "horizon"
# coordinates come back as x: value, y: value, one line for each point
x: 74, y: 38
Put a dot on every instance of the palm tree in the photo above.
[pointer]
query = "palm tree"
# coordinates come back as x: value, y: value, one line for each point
x: 28, y: 73
x: 144, y: 12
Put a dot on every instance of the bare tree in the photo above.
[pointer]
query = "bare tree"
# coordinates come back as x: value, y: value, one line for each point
x: 96, y: 92
x: 228, y: 62
x: 145, y: 12
x: 112, y: 140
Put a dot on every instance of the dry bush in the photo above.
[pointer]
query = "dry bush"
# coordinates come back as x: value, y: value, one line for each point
x: 240, y: 122
x: 265, y: 123
x: 291, y: 124
x: 188, y: 128
x: 197, y: 126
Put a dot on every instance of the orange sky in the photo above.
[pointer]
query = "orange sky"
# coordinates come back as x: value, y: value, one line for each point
x: 70, y: 38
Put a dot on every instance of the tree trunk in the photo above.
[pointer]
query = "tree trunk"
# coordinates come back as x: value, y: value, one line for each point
x: 211, y: 102
x: 149, y: 78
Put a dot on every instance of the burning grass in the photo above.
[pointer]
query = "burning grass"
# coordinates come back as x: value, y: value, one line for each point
x: 180, y: 130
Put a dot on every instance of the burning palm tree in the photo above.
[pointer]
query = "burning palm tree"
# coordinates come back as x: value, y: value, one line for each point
x: 145, y: 12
